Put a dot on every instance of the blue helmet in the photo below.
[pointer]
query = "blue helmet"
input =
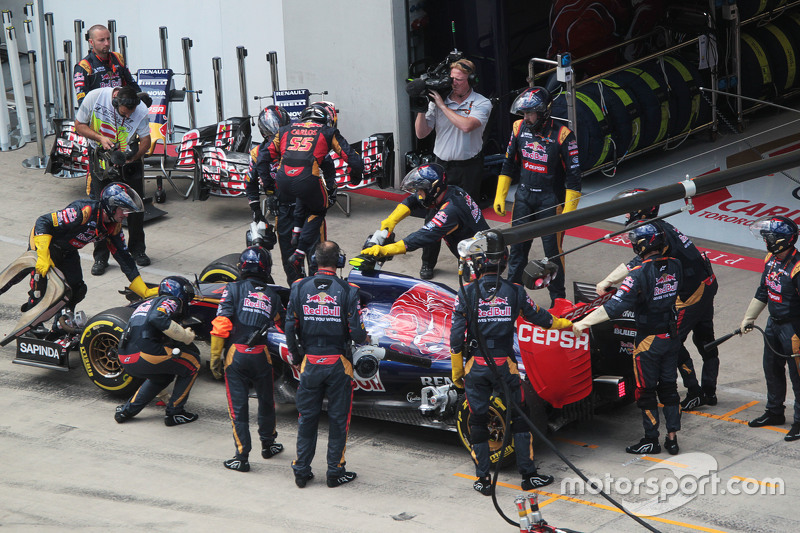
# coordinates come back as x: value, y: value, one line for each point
x: 533, y: 100
x: 116, y: 195
x: 778, y: 232
x: 647, y: 238
x: 489, y: 262
x: 178, y: 287
x: 429, y: 178
x: 255, y: 262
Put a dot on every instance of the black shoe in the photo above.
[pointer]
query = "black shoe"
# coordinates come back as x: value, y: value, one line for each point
x: 301, y: 480
x: 794, y: 433
x: 240, y: 465
x: 180, y: 418
x: 692, y: 401
x: 709, y: 399
x: 426, y: 272
x: 644, y: 446
x: 671, y: 445
x: 270, y: 450
x: 483, y: 485
x: 120, y: 415
x: 535, y: 480
x: 347, y: 477
x: 99, y: 268
x: 141, y: 259
x: 767, y: 419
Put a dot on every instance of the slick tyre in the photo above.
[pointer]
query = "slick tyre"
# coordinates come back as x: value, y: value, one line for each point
x: 98, y: 349
x: 497, y: 429
x: 222, y: 270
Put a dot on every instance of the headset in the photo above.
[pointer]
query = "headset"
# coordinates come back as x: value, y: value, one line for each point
x: 341, y: 259
x: 464, y: 64
x: 130, y: 103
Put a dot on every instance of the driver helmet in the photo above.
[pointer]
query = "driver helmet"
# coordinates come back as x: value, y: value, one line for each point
x: 426, y: 182
x: 640, y: 214
x: 271, y: 119
x: 647, y: 238
x: 533, y: 100
x: 778, y: 232
x: 177, y: 287
x: 116, y: 195
x: 255, y: 262
x: 321, y: 113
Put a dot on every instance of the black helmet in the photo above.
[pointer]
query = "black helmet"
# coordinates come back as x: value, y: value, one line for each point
x: 179, y: 287
x: 116, y: 195
x: 321, y: 113
x: 647, y: 238
x: 778, y: 232
x: 489, y: 262
x: 533, y: 100
x: 271, y: 119
x: 429, y: 178
x: 641, y: 214
x: 255, y: 262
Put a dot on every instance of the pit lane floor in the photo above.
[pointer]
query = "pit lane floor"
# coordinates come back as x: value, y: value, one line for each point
x: 67, y: 465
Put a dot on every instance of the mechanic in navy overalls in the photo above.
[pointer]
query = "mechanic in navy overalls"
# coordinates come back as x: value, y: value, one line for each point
x: 322, y: 318
x: 650, y: 290
x: 498, y: 303
x: 779, y: 290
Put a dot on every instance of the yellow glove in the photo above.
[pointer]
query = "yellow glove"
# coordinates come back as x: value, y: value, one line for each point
x: 457, y: 362
x: 503, y: 183
x: 753, y: 310
x: 43, y: 262
x: 561, y: 323
x: 138, y: 286
x: 571, y: 201
x: 397, y: 248
x: 217, y: 345
x: 400, y: 212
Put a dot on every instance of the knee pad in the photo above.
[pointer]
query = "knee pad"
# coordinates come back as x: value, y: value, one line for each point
x: 646, y: 398
x: 518, y: 425
x: 668, y: 393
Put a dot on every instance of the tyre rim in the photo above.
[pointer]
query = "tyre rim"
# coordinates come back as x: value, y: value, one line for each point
x: 103, y: 355
x: 497, y: 429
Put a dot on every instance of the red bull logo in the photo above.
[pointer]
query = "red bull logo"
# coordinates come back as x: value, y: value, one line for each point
x: 321, y: 298
x: 665, y: 278
x: 257, y: 296
x: 420, y: 317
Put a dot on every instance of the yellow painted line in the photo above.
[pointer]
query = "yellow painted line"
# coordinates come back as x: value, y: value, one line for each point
x: 729, y: 419
x: 598, y: 505
x: 549, y: 500
x: 772, y: 485
x: 664, y: 462
x: 576, y: 443
x: 742, y: 408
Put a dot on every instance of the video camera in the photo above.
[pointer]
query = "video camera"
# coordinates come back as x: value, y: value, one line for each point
x: 107, y: 165
x: 436, y: 78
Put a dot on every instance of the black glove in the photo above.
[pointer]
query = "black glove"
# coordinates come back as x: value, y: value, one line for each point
x: 258, y: 215
x: 332, y: 195
x: 272, y: 204
x: 270, y: 239
x: 144, y: 97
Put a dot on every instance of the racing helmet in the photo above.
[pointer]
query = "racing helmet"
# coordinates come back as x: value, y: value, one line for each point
x: 116, y: 195
x: 255, y: 262
x: 640, y: 214
x: 533, y: 100
x: 647, y: 238
x: 178, y: 287
x: 426, y: 182
x: 778, y: 232
x: 489, y: 262
x: 321, y: 113
x: 271, y: 119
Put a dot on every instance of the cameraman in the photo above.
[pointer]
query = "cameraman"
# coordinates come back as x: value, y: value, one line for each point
x: 459, y: 121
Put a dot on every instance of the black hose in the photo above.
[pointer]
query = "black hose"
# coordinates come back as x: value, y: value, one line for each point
x: 738, y: 331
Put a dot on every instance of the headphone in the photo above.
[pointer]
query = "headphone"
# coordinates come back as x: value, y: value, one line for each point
x: 130, y: 103
x: 341, y: 259
x: 463, y: 64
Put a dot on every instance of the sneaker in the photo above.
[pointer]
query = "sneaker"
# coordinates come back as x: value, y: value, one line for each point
x: 671, y: 445
x: 301, y: 480
x: 270, y: 450
x: 644, y: 446
x: 767, y: 419
x: 535, y: 480
x: 99, y: 268
x: 240, y: 465
x: 141, y: 259
x: 692, y: 401
x: 710, y: 399
x: 426, y: 272
x: 180, y: 418
x: 794, y: 433
x: 120, y: 415
x: 347, y: 477
x: 483, y: 485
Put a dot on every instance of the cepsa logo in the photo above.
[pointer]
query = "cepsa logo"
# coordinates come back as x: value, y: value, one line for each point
x: 563, y: 338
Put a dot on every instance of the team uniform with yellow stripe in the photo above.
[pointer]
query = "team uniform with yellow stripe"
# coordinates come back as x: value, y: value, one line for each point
x: 91, y: 73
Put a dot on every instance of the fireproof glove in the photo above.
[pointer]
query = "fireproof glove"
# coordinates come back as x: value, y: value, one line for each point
x: 176, y: 332
x: 138, y: 286
x: 217, y: 345
x: 503, y: 183
x: 457, y: 363
x: 571, y: 201
x: 617, y: 275
x: 753, y: 310
x: 258, y: 215
x: 43, y: 261
x: 561, y: 323
x: 597, y: 316
x: 400, y: 212
x: 397, y: 248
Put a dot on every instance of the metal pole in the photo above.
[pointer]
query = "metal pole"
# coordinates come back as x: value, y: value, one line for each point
x: 216, y: 64
x: 39, y: 160
x: 5, y: 125
x: 6, y: 19
x: 64, y: 88
x: 272, y: 58
x: 112, y: 27
x: 20, y: 102
x: 162, y: 35
x: 78, y: 39
x: 34, y: 44
x: 241, y: 53
x: 186, y: 43
x: 69, y: 99
x: 123, y: 47
x: 51, y: 61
